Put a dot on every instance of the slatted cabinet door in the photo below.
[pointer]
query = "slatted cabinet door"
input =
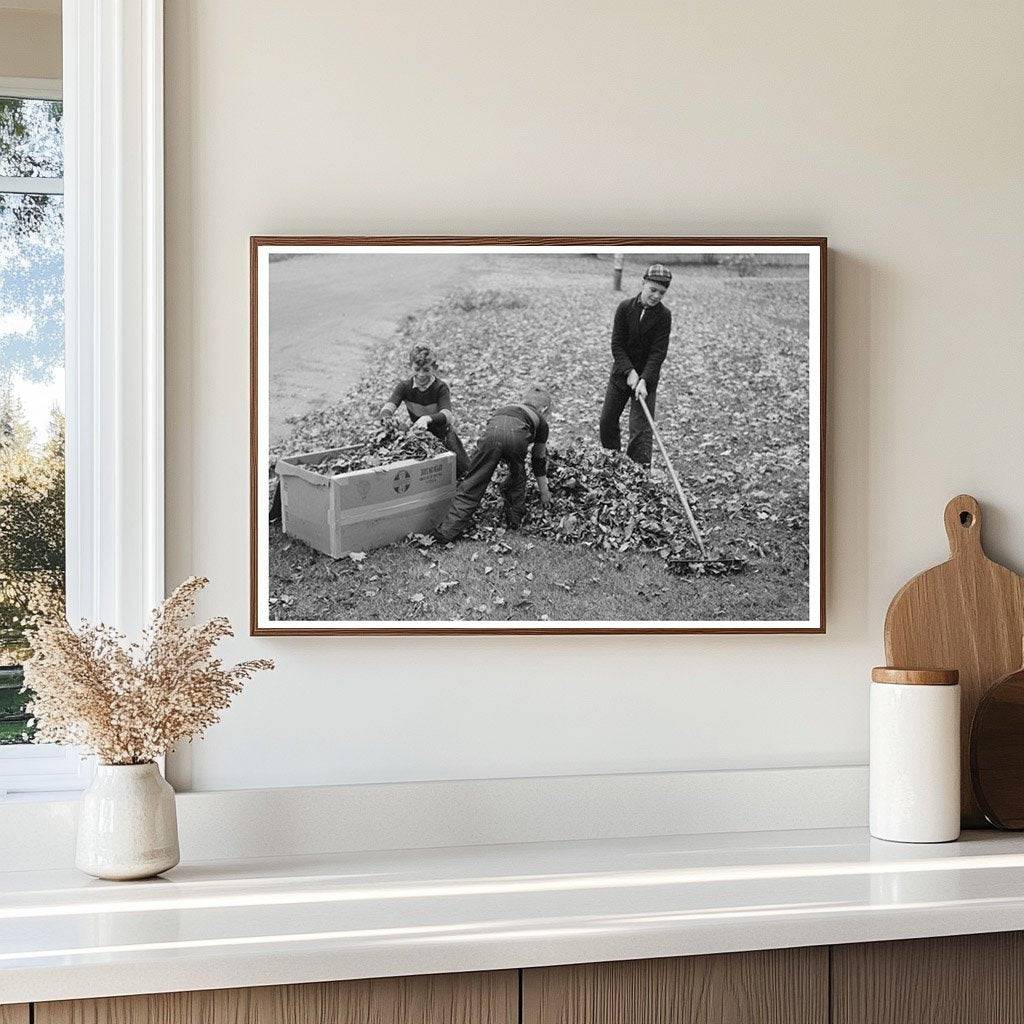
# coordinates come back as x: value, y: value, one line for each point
x: 14, y: 1013
x: 480, y: 998
x: 961, y: 979
x: 776, y: 986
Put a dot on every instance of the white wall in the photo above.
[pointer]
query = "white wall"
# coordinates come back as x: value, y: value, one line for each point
x: 895, y: 129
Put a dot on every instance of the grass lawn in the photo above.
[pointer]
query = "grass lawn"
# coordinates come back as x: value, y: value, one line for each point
x: 12, y: 732
x: 12, y: 724
x: 732, y: 406
x: 515, y: 577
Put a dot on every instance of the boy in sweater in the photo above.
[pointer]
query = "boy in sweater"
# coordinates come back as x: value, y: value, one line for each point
x: 508, y: 436
x: 640, y: 336
x: 428, y: 401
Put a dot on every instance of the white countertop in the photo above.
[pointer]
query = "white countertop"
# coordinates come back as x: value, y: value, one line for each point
x: 261, y: 922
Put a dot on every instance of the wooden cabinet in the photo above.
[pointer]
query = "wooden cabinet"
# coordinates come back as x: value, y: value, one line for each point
x: 777, y: 986
x: 969, y: 979
x: 482, y: 998
x: 962, y: 979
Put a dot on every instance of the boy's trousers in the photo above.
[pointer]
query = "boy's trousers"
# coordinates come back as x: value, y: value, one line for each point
x: 504, y: 441
x: 616, y: 396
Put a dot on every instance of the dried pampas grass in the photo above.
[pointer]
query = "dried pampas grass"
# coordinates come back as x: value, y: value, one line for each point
x: 129, y: 703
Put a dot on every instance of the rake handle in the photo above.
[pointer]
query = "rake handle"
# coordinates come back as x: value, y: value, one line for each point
x: 675, y: 479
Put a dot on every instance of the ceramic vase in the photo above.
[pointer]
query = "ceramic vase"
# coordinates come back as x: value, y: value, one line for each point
x: 127, y: 825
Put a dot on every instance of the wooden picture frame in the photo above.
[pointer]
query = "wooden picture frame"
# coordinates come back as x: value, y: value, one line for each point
x: 714, y: 251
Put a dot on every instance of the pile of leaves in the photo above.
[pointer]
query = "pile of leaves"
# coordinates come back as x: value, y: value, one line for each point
x: 606, y: 502
x: 600, y: 499
x: 389, y: 444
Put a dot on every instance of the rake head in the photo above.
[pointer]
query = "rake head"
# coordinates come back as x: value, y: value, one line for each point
x: 706, y: 566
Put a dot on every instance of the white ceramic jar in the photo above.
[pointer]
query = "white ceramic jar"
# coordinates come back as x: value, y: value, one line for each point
x: 127, y: 824
x: 915, y: 755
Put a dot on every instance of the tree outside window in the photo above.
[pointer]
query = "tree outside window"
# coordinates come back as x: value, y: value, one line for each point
x: 31, y: 387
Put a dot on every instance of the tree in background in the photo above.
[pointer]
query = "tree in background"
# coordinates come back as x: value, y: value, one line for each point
x: 31, y: 241
x: 31, y: 545
x: 31, y: 352
x: 32, y: 518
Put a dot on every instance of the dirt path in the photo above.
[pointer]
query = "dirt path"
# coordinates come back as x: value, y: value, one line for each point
x: 328, y: 311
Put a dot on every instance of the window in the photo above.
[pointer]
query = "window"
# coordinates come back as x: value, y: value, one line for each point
x: 31, y: 383
x: 109, y: 208
x: 32, y: 549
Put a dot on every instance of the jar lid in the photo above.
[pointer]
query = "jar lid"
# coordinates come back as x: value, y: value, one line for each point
x: 916, y: 676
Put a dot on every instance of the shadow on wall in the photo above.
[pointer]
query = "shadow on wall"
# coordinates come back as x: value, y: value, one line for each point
x: 854, y: 286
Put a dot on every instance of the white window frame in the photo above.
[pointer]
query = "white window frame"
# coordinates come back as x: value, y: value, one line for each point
x: 32, y: 88
x: 114, y: 324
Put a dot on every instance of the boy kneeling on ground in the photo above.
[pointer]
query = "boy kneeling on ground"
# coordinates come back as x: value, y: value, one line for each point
x: 428, y: 400
x: 507, y: 436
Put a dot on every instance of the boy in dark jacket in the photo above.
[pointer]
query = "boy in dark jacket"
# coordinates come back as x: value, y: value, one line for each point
x: 428, y: 401
x: 508, y: 435
x: 640, y: 333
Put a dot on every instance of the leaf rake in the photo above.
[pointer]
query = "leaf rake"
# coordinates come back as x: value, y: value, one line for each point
x: 705, y: 563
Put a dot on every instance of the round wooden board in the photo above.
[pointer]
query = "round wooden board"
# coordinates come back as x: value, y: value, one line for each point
x: 997, y: 752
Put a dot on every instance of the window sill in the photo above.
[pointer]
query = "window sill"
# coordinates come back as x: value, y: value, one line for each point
x: 42, y: 771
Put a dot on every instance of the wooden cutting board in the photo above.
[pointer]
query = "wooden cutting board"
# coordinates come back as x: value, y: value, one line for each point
x: 967, y: 614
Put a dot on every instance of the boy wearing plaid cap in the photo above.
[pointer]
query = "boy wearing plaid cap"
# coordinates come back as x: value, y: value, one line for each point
x: 640, y: 333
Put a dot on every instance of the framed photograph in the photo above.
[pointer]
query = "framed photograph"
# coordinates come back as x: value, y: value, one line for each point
x: 537, y: 435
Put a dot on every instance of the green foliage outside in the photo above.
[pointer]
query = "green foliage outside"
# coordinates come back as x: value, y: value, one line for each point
x: 31, y: 349
x: 31, y: 242
x: 31, y: 548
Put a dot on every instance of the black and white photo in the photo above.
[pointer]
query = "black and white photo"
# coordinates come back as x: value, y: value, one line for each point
x: 537, y: 435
